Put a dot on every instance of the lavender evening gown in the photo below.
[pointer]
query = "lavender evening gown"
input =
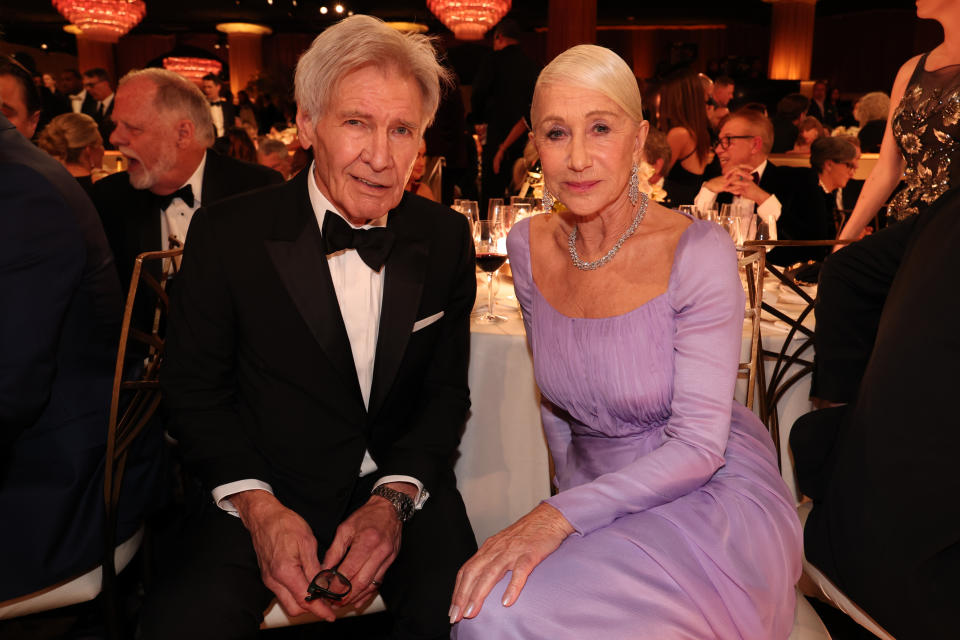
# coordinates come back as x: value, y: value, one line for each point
x: 684, y: 528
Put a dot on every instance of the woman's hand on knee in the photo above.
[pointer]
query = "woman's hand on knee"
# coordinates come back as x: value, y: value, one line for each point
x: 519, y: 549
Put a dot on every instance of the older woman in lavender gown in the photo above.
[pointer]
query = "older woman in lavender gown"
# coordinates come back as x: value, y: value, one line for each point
x: 671, y: 519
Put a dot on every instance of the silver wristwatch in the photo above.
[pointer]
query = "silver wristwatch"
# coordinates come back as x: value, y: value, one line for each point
x: 400, y: 501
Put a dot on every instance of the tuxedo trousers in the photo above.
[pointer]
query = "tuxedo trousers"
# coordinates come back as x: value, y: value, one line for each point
x: 854, y: 283
x: 216, y: 591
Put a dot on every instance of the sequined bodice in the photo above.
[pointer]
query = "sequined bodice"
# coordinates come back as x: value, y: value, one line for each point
x: 926, y: 126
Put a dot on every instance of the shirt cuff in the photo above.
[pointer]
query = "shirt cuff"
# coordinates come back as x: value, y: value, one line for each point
x: 769, y: 208
x: 220, y: 493
x: 705, y: 199
x: 422, y: 494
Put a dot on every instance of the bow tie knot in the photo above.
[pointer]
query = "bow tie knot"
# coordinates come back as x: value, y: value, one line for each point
x: 372, y: 245
x: 185, y: 193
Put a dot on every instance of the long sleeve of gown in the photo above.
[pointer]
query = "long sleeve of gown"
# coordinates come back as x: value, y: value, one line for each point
x: 707, y: 299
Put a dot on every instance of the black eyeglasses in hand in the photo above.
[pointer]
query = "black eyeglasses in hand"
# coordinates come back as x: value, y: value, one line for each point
x: 330, y: 584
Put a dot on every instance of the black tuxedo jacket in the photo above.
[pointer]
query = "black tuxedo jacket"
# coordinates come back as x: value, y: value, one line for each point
x: 259, y: 374
x: 803, y: 215
x: 229, y: 114
x: 60, y: 305
x: 105, y: 124
x: 131, y: 217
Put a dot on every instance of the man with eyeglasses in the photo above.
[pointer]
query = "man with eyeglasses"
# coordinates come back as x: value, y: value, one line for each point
x: 788, y: 199
x: 98, y: 103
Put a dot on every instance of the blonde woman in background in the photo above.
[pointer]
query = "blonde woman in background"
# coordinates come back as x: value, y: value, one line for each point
x: 74, y: 140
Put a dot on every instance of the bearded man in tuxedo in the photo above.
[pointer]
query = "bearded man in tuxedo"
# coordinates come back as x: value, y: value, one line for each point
x: 316, y: 369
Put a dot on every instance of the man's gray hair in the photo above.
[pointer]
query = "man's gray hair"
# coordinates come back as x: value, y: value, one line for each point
x: 177, y: 95
x: 271, y: 145
x: 359, y: 41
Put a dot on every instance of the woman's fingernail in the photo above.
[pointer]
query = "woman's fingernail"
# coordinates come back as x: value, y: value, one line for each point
x: 466, y: 614
x: 454, y: 611
x: 506, y: 600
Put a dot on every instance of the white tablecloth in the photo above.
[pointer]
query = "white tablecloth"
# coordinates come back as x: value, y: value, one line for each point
x: 503, y: 469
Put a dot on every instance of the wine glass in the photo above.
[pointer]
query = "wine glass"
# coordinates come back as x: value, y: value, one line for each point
x: 490, y: 243
x: 492, y: 205
x: 732, y: 226
x: 471, y: 210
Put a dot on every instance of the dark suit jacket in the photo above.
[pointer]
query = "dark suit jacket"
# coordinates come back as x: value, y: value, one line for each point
x: 61, y: 312
x: 259, y: 375
x: 131, y: 217
x: 804, y: 214
x: 105, y: 124
x: 502, y: 93
x: 229, y: 115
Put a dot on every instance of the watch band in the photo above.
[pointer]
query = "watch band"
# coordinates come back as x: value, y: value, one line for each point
x: 402, y: 503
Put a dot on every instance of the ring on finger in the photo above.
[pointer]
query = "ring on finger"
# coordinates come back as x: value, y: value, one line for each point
x: 376, y: 583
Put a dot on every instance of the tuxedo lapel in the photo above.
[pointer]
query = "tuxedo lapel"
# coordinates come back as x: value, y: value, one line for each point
x: 305, y: 274
x: 402, y: 289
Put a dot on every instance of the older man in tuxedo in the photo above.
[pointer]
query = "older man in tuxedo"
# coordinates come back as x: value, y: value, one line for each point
x: 317, y: 365
x: 163, y: 128
x: 789, y: 196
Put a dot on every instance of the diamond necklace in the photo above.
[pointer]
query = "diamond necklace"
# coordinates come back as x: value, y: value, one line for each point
x: 596, y: 264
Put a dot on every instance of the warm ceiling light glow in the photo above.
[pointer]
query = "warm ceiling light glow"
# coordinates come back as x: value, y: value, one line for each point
x: 244, y: 27
x: 323, y: 10
x: 103, y: 20
x: 408, y: 27
x: 193, y: 69
x: 338, y: 8
x: 469, y: 19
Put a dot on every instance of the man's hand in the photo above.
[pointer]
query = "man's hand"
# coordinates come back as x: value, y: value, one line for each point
x: 717, y: 184
x: 739, y: 182
x: 366, y: 544
x: 286, y: 551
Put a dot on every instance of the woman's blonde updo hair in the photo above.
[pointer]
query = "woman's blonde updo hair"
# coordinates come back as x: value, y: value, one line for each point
x: 67, y: 135
x: 597, y: 69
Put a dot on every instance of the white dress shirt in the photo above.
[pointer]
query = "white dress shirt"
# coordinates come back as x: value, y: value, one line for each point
x: 768, y: 210
x: 216, y: 112
x: 76, y: 100
x: 359, y: 292
x: 175, y: 221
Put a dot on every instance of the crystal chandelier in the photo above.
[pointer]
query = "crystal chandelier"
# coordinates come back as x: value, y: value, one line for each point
x: 103, y: 20
x: 469, y: 19
x: 193, y: 69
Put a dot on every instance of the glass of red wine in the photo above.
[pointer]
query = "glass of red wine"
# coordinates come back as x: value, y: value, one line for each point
x: 490, y: 242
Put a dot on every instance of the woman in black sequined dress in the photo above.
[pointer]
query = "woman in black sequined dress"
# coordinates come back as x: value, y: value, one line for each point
x: 921, y: 146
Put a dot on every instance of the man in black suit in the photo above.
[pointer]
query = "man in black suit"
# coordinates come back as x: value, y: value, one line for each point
x: 58, y: 343
x: 222, y: 111
x: 501, y: 97
x: 316, y: 365
x: 98, y: 103
x: 163, y: 128
x: 788, y: 198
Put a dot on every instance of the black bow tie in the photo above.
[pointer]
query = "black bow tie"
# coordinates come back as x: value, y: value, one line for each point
x: 372, y: 245
x: 185, y: 193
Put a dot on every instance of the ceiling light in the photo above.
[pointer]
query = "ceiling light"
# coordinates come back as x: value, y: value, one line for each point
x: 103, y: 20
x: 469, y: 19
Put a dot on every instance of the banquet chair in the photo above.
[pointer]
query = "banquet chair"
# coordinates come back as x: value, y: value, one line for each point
x: 134, y: 399
x: 751, y: 261
x: 793, y: 361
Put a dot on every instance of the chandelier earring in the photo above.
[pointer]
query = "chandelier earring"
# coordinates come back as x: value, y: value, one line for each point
x: 634, y: 192
x: 548, y: 200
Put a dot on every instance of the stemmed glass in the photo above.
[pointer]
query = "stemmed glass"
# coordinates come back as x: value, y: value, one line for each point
x: 469, y: 208
x: 489, y: 240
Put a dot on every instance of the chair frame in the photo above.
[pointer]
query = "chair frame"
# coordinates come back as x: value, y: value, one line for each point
x: 128, y: 421
x: 753, y: 260
x: 788, y: 356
